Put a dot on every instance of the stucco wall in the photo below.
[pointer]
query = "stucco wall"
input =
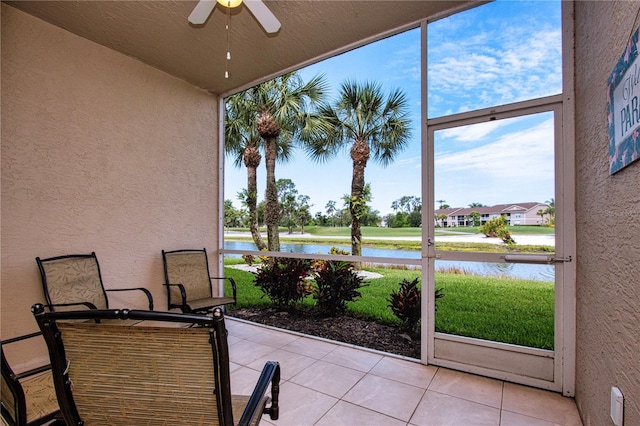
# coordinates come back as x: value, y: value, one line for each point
x: 608, y: 225
x: 99, y: 153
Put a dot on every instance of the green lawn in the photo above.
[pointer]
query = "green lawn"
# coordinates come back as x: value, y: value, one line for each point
x: 499, y: 309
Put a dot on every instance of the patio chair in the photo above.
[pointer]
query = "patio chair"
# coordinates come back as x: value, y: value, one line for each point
x: 75, y: 278
x: 189, y: 283
x: 28, y: 397
x: 113, y: 374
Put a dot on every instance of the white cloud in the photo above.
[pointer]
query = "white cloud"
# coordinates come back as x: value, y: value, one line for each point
x: 472, y: 132
x: 522, y: 155
x: 471, y: 67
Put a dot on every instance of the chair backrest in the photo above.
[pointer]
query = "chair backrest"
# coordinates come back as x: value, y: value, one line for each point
x: 189, y: 268
x: 72, y: 278
x: 114, y: 374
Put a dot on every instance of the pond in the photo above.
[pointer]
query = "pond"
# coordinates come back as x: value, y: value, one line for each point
x: 514, y: 270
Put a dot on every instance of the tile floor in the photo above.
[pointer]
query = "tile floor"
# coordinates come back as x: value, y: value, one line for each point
x: 325, y: 383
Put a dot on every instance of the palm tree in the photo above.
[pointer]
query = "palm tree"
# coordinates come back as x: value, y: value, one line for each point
x: 331, y: 211
x: 243, y: 143
x: 370, y: 126
x: 282, y: 110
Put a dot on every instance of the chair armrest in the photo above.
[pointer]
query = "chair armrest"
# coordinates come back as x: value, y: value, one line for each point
x: 270, y: 375
x: 32, y: 371
x: 87, y: 304
x: 144, y: 290
x: 183, y: 292
x: 233, y: 285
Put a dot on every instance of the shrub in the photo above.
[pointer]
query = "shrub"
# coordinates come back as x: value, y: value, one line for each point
x: 284, y: 280
x: 336, y: 284
x: 405, y: 304
x: 497, y: 227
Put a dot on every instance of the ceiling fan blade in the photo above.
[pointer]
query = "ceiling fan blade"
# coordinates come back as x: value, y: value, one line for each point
x: 202, y: 11
x: 262, y: 13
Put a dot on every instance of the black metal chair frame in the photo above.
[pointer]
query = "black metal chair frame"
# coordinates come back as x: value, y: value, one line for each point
x: 93, y: 256
x: 220, y: 356
x: 15, y: 387
x: 184, y: 304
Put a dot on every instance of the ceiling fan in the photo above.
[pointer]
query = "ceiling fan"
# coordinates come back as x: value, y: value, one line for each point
x: 257, y: 8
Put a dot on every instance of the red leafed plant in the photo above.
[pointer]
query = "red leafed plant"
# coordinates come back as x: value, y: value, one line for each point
x: 405, y: 304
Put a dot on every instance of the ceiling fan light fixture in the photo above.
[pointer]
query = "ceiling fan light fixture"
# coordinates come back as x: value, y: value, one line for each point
x: 230, y: 3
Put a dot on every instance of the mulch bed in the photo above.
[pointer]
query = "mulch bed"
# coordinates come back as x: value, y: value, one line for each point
x: 344, y: 328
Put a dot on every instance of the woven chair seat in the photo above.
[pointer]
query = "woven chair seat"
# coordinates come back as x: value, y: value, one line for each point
x: 208, y: 302
x: 40, y: 395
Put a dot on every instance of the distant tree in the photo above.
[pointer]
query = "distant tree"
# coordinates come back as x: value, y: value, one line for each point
x: 441, y: 204
x: 287, y: 194
x: 232, y: 216
x: 415, y: 218
x: 475, y: 218
x: 321, y: 220
x: 551, y: 210
x: 331, y: 211
x: 472, y: 205
x: 440, y: 218
x: 408, y: 210
x: 303, y: 216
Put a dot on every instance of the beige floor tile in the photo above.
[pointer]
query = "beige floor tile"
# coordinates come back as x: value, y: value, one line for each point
x: 291, y: 363
x: 311, y: 347
x: 467, y: 386
x: 541, y: 404
x: 385, y: 396
x: 437, y: 409
x: 273, y: 338
x: 353, y: 358
x: 300, y: 406
x: 328, y: 378
x: 409, y: 372
x: 233, y: 366
x: 241, y: 329
x: 246, y: 351
x: 507, y: 418
x: 346, y: 414
x: 243, y: 381
x: 233, y: 339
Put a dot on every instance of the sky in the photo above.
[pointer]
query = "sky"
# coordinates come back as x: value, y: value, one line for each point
x: 502, y: 52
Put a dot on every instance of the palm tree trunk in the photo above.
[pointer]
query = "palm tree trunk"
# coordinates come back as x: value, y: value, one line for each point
x: 271, y: 207
x: 359, y: 155
x: 252, y: 201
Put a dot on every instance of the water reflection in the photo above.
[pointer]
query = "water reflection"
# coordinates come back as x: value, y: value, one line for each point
x: 514, y: 270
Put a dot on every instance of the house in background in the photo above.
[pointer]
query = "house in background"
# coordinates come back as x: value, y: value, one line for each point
x: 515, y: 214
x: 111, y: 142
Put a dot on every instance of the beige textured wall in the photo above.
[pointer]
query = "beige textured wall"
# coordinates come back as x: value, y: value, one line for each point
x: 99, y: 153
x: 608, y: 220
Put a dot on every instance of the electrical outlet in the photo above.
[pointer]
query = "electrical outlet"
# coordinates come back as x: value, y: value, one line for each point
x: 617, y: 406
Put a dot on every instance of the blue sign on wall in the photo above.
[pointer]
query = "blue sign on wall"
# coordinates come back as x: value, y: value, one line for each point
x: 624, y: 108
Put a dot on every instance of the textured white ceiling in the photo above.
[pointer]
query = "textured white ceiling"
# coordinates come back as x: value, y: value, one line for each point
x: 158, y: 33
